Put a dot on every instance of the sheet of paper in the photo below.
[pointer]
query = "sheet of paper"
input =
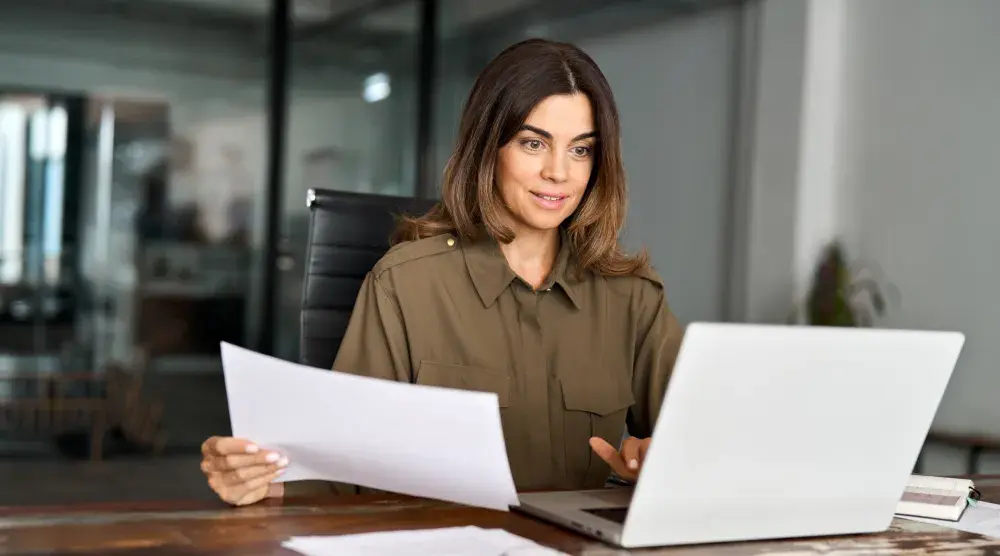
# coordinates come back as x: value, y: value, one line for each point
x: 982, y: 518
x: 452, y: 541
x: 406, y: 438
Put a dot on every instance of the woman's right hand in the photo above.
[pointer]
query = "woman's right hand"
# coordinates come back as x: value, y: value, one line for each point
x: 239, y: 471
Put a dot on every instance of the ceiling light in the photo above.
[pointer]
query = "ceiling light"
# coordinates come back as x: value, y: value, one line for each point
x: 376, y: 87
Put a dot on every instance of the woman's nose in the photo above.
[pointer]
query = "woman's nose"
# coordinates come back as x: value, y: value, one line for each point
x: 555, y: 168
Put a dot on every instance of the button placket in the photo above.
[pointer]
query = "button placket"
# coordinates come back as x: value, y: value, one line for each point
x: 535, y: 365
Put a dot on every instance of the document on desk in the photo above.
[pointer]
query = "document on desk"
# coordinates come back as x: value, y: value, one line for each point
x: 450, y: 541
x: 982, y: 518
x: 418, y: 440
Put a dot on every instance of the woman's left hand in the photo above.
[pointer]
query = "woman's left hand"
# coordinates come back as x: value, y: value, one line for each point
x: 627, y: 462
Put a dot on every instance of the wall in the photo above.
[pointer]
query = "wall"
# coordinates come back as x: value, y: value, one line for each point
x: 875, y: 122
x: 789, y: 176
x: 768, y: 161
x: 677, y: 122
x: 921, y: 180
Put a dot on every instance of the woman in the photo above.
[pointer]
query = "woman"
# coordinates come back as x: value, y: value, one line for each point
x: 515, y: 283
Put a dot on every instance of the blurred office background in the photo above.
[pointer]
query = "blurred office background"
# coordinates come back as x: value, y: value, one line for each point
x: 155, y: 157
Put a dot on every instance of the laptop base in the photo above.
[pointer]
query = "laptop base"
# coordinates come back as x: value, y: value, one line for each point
x: 599, y: 514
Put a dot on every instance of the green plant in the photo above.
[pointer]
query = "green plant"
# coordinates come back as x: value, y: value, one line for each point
x: 840, y: 295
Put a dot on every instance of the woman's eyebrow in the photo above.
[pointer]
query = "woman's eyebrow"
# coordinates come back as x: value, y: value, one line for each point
x: 548, y: 135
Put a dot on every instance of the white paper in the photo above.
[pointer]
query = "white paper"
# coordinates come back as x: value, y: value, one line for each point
x: 982, y: 518
x: 418, y: 440
x: 465, y: 541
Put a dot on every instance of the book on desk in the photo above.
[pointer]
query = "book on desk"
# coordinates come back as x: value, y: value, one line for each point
x: 936, y: 497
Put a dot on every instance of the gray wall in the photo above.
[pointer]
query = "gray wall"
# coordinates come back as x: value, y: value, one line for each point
x: 922, y: 181
x: 675, y: 85
x: 874, y: 121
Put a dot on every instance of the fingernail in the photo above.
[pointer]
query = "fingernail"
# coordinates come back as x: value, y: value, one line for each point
x: 633, y: 464
x: 252, y: 449
x: 272, y: 457
x: 283, y: 462
x: 280, y: 471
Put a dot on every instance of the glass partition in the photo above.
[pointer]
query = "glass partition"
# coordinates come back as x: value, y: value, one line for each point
x: 352, y: 117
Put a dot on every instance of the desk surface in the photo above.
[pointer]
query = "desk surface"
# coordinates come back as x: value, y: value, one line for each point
x: 200, y: 528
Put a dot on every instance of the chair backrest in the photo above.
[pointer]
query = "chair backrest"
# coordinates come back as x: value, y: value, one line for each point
x: 348, y: 234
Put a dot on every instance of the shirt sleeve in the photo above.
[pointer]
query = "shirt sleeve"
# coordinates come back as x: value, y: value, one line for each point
x: 373, y: 345
x: 658, y: 341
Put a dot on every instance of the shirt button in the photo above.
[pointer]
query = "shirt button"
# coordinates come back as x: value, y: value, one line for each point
x: 451, y: 242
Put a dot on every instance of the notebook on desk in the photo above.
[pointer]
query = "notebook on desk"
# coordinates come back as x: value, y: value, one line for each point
x: 936, y: 497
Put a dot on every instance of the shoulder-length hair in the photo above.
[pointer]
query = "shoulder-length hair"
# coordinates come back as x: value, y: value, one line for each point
x: 503, y: 96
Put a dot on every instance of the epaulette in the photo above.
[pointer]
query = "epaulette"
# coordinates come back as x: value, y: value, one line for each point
x: 647, y: 272
x: 412, y: 250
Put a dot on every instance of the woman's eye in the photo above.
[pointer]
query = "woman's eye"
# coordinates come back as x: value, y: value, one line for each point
x: 581, y: 151
x: 532, y: 144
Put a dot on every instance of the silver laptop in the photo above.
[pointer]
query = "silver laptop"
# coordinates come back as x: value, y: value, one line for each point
x: 774, y: 432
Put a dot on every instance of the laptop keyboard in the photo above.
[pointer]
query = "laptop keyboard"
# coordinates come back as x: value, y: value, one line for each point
x: 611, y: 514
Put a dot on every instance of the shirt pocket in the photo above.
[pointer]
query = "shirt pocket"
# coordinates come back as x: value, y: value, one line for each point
x: 464, y: 377
x: 593, y: 407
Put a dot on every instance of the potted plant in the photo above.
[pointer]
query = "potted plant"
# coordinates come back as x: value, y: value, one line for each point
x: 840, y: 295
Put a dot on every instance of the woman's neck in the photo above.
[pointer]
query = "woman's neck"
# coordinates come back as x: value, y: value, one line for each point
x: 532, y: 254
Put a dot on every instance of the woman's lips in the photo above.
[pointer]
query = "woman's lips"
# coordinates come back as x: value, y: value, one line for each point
x: 549, y: 201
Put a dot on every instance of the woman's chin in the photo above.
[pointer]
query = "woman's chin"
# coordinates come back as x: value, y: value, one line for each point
x: 540, y: 219
x: 544, y: 222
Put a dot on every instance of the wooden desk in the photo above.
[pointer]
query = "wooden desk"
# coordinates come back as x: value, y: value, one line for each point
x: 208, y: 528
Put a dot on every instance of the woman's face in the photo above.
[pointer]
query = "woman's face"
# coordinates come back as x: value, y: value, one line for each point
x: 543, y: 172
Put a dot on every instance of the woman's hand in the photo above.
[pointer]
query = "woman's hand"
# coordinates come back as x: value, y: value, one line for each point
x: 240, y: 472
x: 628, y: 462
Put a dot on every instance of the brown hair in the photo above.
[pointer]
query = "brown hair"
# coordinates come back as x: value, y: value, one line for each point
x: 503, y: 96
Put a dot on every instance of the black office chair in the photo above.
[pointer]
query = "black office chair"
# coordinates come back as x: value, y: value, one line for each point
x: 348, y: 234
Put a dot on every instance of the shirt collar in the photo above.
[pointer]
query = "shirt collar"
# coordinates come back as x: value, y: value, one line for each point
x: 491, y: 274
